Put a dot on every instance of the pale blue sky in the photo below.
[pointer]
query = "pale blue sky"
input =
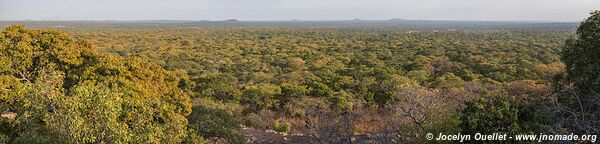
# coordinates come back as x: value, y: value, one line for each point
x: 548, y: 10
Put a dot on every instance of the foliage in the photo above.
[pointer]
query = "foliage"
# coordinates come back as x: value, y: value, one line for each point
x: 224, y: 62
x: 261, y: 96
x: 323, y: 81
x: 341, y: 101
x: 275, y: 72
x: 222, y: 87
x: 193, y: 138
x: 581, y: 55
x: 290, y: 91
x: 63, y: 91
x: 580, y: 86
x: 283, y: 127
x: 210, y: 120
x: 493, y: 114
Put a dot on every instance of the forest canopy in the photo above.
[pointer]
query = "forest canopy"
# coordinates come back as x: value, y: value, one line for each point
x: 62, y: 90
x: 312, y: 85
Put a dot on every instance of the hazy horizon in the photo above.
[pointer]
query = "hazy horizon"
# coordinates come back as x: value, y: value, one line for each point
x: 285, y: 20
x: 306, y: 10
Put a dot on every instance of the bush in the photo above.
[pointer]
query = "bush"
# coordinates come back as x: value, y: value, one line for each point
x: 261, y: 120
x: 341, y: 100
x: 193, y: 138
x: 261, y: 96
x: 214, y: 122
x: 579, y: 99
x: 504, y: 114
x: 283, y: 127
x: 4, y: 138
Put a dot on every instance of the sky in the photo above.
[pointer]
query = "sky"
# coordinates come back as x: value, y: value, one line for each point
x: 497, y: 10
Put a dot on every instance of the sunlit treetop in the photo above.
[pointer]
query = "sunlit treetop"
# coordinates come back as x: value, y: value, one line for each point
x: 61, y: 90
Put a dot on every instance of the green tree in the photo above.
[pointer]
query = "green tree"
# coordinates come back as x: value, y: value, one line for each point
x: 261, y: 96
x: 222, y: 87
x: 62, y: 90
x: 209, y: 121
x: 289, y: 91
x: 387, y: 86
x: 341, y: 101
x: 504, y: 114
x: 449, y: 80
x: 581, y: 87
x: 581, y: 55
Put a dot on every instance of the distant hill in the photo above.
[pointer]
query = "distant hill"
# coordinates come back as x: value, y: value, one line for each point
x: 396, y: 19
x: 395, y: 24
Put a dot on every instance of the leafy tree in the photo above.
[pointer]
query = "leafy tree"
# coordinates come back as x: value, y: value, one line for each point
x: 419, y: 75
x: 261, y: 96
x: 289, y: 91
x: 283, y: 127
x: 581, y: 55
x: 581, y: 88
x: 209, y: 121
x: 62, y: 90
x: 295, y: 63
x: 467, y: 75
x: 318, y: 89
x: 222, y: 87
x: 366, y: 90
x: 492, y: 114
x: 449, y: 80
x: 341, y: 101
x: 388, y: 86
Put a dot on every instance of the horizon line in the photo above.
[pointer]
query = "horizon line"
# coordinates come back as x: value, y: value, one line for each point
x: 289, y: 20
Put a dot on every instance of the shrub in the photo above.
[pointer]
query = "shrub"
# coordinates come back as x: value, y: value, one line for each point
x: 504, y: 114
x: 261, y: 120
x: 283, y: 127
x: 341, y: 100
x: 214, y: 122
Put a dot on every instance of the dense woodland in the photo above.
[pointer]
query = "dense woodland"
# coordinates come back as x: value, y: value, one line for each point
x: 322, y: 85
